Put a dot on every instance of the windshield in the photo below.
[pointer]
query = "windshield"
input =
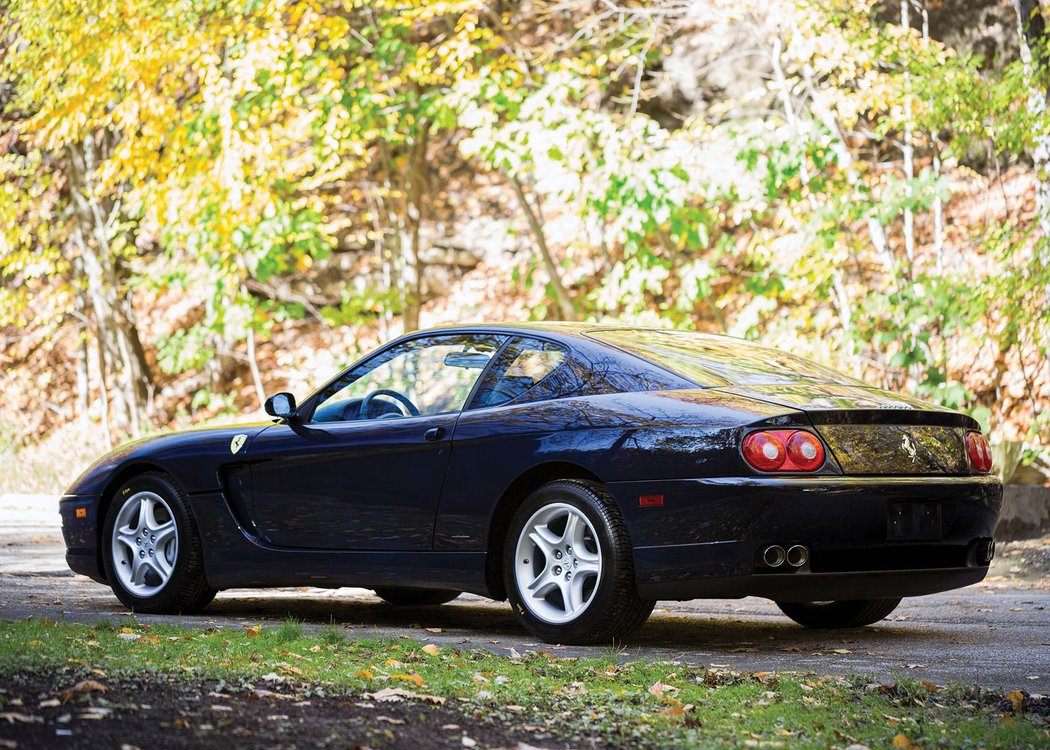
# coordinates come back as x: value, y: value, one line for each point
x: 719, y: 360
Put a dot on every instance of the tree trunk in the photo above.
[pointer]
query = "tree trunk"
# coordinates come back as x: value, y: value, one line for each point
x: 103, y: 276
x: 908, y: 151
x: 562, y: 299
x: 1034, y: 54
x: 83, y: 370
x: 414, y: 193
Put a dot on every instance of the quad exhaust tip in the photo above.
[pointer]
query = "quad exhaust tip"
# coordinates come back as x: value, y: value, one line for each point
x: 797, y: 555
x: 774, y: 556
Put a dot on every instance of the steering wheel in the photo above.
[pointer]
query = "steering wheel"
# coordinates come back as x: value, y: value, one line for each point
x: 403, y: 399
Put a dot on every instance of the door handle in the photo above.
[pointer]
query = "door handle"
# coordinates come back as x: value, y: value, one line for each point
x: 434, y: 433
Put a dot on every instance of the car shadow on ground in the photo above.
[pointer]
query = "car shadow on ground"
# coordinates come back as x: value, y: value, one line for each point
x: 479, y: 623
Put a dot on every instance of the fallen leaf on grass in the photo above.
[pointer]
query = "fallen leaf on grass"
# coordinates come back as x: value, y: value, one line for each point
x: 901, y: 741
x: 252, y: 632
x: 1016, y: 698
x: 128, y: 636
x: 658, y: 689
x: 364, y: 673
x: 83, y: 688
x: 431, y: 649
x: 674, y: 712
x: 413, y: 678
x: 398, y: 694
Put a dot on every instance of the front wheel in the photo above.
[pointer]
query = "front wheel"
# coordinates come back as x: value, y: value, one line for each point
x: 568, y: 567
x: 855, y: 613
x: 152, y: 552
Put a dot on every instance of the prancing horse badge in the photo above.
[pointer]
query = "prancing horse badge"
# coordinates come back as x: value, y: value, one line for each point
x: 237, y: 442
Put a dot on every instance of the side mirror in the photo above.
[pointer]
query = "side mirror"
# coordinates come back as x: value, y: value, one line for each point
x: 281, y: 405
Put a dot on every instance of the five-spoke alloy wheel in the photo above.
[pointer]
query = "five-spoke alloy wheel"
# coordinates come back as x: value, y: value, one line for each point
x: 144, y: 543
x: 568, y: 567
x: 152, y: 552
x: 558, y: 563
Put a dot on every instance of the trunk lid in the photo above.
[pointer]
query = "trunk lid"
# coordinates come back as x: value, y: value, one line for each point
x: 874, y: 432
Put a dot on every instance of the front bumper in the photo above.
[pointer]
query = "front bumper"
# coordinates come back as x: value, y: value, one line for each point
x: 706, y: 539
x: 80, y: 524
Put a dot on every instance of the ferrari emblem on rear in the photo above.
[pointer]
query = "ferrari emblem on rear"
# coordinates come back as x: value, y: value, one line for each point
x: 237, y: 442
x: 906, y: 445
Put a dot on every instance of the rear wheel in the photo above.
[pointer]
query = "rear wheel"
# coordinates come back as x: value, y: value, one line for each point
x: 152, y: 551
x: 403, y: 597
x: 855, y: 613
x: 568, y: 567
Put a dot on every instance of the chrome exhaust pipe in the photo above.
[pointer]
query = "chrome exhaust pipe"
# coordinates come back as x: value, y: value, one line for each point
x: 797, y: 555
x: 774, y: 556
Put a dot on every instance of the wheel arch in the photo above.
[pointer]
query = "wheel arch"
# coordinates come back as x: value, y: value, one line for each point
x: 513, y: 496
x: 105, y: 500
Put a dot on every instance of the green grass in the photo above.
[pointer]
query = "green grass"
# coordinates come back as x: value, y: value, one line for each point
x: 623, y: 703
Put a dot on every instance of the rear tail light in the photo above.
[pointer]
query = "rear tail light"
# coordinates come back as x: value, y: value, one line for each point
x: 979, y: 451
x: 783, y: 450
x: 805, y: 451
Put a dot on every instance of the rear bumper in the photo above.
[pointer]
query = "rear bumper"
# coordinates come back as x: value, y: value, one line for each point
x: 803, y: 586
x: 705, y: 541
x: 80, y: 531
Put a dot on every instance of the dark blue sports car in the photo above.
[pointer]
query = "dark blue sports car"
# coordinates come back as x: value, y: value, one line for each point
x: 583, y: 472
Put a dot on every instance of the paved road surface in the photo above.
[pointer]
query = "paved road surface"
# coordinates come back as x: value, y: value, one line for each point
x: 994, y: 634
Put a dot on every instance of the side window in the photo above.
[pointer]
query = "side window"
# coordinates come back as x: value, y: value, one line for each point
x: 421, y: 377
x: 521, y: 366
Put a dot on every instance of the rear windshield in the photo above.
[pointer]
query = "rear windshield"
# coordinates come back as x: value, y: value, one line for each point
x: 718, y: 360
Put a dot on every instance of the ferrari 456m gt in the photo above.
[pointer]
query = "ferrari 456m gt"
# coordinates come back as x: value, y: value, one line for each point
x: 582, y: 472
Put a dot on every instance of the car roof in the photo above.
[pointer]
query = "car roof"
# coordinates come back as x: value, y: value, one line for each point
x: 715, y: 360
x: 555, y: 328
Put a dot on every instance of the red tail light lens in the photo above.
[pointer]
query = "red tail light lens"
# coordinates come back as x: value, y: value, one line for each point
x: 979, y: 451
x: 805, y: 451
x: 765, y: 450
x: 783, y: 450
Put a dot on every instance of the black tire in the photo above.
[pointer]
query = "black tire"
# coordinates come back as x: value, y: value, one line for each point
x: 855, y: 613
x: 402, y: 597
x: 187, y: 589
x: 614, y: 609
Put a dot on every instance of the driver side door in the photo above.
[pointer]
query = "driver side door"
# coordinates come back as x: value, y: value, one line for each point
x: 365, y: 468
